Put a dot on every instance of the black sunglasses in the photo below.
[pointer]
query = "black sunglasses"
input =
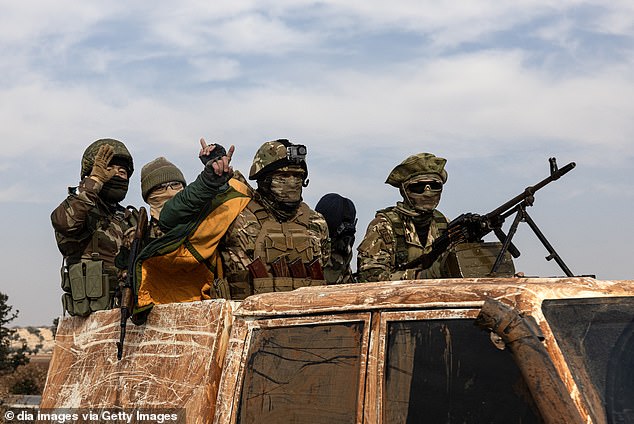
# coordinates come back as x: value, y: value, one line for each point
x: 420, y: 186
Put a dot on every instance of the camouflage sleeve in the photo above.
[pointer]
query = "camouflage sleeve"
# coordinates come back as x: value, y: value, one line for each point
x: 376, y: 255
x: 319, y: 227
x: 70, y: 218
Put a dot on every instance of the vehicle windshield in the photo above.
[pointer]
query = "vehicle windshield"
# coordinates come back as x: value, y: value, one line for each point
x: 596, y: 337
x: 303, y: 374
x: 448, y: 370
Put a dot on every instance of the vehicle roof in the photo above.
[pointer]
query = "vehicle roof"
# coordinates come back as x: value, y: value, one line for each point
x: 445, y: 293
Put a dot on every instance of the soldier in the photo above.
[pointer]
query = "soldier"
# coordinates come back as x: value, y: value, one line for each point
x: 278, y: 242
x: 90, y: 226
x: 399, y: 234
x: 160, y: 181
x: 341, y: 216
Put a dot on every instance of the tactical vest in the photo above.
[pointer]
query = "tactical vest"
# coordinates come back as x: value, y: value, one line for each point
x: 290, y: 240
x: 408, y: 246
x: 88, y: 284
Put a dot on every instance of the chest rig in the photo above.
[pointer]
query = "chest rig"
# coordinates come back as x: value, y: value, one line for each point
x: 89, y: 277
x: 408, y: 245
x: 286, y: 255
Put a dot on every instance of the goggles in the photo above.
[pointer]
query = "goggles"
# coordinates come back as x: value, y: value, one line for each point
x: 419, y: 187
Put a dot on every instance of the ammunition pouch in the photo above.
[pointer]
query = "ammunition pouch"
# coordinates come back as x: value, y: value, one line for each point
x: 87, y: 288
x: 281, y: 284
x: 473, y: 260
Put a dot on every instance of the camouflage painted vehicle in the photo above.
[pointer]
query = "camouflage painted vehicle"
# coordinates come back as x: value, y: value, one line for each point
x: 496, y: 350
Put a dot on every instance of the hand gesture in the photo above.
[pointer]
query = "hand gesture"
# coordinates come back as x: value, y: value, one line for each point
x: 217, y: 170
x: 101, y: 169
x: 218, y: 156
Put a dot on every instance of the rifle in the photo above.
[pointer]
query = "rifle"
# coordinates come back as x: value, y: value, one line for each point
x: 127, y: 290
x: 470, y: 227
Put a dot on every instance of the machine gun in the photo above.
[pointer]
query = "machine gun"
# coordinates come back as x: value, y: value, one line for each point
x: 470, y: 228
x: 127, y: 290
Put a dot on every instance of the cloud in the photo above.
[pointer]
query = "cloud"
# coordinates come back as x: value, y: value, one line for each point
x: 467, y: 105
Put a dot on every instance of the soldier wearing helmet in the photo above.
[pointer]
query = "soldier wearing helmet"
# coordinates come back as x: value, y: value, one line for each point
x: 399, y: 234
x: 276, y: 228
x: 90, y: 227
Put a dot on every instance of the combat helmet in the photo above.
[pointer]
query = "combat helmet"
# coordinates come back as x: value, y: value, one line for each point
x: 418, y: 164
x: 277, y: 154
x: 120, y: 152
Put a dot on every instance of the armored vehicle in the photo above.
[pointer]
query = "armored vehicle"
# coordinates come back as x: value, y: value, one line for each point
x: 492, y: 350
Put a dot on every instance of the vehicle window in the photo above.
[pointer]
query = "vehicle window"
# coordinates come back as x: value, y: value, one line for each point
x: 596, y: 337
x: 448, y: 370
x: 303, y: 374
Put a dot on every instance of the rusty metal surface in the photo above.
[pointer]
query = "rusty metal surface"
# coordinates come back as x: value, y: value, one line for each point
x: 176, y: 359
x: 406, y: 297
x: 172, y: 361
x: 523, y: 293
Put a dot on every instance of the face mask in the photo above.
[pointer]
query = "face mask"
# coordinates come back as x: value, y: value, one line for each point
x: 157, y: 199
x: 114, y: 190
x: 287, y: 187
x: 423, y: 195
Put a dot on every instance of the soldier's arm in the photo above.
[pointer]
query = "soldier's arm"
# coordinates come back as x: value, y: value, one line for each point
x: 71, y: 216
x: 320, y: 227
x: 187, y: 204
x: 376, y: 253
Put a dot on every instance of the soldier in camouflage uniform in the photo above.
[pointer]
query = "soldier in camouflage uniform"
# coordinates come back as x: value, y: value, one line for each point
x: 160, y: 181
x: 276, y: 226
x: 341, y: 216
x: 90, y: 227
x: 399, y: 234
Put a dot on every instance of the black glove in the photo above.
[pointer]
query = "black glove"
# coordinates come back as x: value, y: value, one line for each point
x: 213, y: 180
x: 216, y: 154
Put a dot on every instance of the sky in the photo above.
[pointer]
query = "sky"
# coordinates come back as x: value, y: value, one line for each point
x: 495, y: 87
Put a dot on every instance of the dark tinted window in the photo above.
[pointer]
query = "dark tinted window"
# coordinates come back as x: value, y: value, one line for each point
x: 303, y: 374
x: 597, y: 338
x: 449, y: 371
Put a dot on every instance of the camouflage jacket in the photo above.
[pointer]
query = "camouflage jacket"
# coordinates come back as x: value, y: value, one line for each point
x: 391, y: 241
x: 87, y: 228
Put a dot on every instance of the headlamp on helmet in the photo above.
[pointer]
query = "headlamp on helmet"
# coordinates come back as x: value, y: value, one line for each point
x: 296, y: 153
x: 277, y: 154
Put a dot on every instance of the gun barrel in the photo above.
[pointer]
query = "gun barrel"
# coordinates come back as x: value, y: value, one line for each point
x: 530, y: 190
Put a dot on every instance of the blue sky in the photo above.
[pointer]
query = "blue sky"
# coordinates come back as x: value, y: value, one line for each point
x: 495, y: 87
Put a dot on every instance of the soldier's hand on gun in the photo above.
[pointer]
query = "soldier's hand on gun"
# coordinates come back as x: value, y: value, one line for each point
x: 217, y: 163
x: 101, y: 169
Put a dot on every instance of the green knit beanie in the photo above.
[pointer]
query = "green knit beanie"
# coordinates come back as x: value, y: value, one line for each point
x: 157, y: 172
